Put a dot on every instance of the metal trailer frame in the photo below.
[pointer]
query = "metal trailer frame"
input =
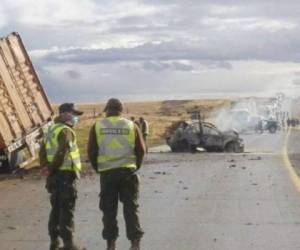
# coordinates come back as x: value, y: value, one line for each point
x: 25, y: 111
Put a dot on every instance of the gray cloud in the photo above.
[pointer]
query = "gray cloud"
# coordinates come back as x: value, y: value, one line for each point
x: 280, y: 48
x: 73, y: 74
x: 160, y: 66
x: 202, y: 43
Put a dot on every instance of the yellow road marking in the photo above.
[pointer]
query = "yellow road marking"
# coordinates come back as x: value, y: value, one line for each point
x: 292, y: 173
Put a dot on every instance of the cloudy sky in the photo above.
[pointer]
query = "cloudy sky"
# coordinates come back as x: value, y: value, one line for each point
x: 90, y: 50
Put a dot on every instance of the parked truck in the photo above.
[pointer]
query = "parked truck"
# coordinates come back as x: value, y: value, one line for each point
x: 25, y: 111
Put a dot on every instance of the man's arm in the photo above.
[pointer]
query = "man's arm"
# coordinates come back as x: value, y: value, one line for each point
x: 43, y: 155
x: 64, y: 139
x: 140, y: 148
x: 92, y: 149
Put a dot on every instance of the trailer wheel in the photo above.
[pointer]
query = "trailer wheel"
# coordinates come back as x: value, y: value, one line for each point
x: 15, y: 158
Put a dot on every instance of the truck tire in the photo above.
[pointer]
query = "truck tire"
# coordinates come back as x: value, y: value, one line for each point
x: 15, y: 158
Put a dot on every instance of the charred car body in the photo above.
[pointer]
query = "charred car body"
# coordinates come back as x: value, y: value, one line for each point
x: 188, y: 136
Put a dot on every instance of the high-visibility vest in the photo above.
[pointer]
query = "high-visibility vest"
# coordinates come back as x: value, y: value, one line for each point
x: 116, y: 142
x: 72, y: 158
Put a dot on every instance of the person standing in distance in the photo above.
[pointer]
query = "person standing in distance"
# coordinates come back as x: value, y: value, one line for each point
x: 116, y: 150
x: 144, y: 126
x: 59, y: 154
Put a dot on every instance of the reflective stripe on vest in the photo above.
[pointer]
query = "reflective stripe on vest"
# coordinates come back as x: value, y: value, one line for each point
x: 116, y: 141
x: 72, y: 158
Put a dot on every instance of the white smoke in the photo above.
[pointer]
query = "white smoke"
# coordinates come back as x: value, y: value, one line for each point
x: 245, y: 114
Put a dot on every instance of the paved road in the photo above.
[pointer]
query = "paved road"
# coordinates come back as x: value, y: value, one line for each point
x: 188, y: 202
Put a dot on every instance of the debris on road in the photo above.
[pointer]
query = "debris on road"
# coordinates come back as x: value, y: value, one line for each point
x: 255, y: 158
x: 161, y: 173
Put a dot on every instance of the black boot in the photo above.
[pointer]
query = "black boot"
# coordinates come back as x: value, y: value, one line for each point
x: 135, y: 244
x: 54, y: 245
x: 69, y: 245
x: 111, y: 245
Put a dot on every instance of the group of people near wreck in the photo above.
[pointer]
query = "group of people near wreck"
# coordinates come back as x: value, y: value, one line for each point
x: 116, y: 148
x: 293, y: 122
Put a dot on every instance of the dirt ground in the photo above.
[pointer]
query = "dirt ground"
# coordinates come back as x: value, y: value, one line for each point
x: 188, y: 201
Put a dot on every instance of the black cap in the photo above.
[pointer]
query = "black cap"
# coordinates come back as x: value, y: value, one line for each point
x: 70, y: 108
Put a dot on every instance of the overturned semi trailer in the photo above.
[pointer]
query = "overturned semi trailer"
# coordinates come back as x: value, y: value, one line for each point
x: 24, y: 107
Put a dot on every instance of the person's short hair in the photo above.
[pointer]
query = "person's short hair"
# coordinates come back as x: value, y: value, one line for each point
x: 113, y: 104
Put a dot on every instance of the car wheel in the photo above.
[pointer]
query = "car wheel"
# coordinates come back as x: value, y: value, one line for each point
x: 272, y: 130
x: 233, y: 147
x: 184, y: 146
x: 174, y: 149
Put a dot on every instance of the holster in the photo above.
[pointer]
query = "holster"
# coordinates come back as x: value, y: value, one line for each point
x: 51, y: 183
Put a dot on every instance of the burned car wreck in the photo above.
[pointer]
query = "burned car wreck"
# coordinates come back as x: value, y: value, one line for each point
x: 190, y: 135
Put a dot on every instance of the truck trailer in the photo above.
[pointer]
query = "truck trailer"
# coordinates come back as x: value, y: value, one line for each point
x: 25, y: 112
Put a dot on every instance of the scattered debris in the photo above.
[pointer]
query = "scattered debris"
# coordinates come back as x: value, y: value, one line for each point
x: 232, y: 166
x: 162, y: 173
x: 255, y: 158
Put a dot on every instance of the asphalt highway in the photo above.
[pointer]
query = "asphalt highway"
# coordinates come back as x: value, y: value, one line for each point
x: 188, y: 202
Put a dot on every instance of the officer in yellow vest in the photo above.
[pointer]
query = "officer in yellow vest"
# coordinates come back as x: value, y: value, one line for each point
x: 116, y: 150
x: 60, y: 155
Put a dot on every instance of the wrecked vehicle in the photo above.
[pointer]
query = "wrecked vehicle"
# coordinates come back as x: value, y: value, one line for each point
x: 189, y: 136
x: 25, y: 111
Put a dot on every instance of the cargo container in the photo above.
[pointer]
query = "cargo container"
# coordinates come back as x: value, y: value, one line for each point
x: 25, y: 111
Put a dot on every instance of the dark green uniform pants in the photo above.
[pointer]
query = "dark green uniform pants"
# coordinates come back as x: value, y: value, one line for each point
x: 120, y: 184
x: 145, y: 140
x: 63, y: 194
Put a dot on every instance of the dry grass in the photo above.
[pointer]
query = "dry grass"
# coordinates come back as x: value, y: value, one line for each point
x: 160, y: 116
